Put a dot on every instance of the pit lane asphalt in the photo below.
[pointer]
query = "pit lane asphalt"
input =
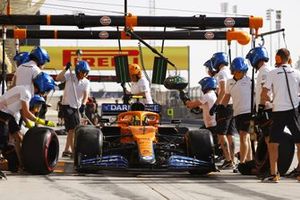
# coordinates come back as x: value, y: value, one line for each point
x: 65, y: 184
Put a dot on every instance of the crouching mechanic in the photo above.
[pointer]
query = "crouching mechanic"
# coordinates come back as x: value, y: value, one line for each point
x: 208, y: 87
x: 239, y: 88
x: 15, y: 100
x: 75, y: 97
x: 139, y: 83
x: 35, y: 106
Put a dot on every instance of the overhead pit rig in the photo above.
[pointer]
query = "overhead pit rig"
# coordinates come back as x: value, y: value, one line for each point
x: 186, y: 28
x: 193, y: 27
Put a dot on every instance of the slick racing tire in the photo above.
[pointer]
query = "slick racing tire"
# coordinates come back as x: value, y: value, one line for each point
x: 285, y: 155
x: 40, y: 150
x: 88, y: 144
x: 200, y: 146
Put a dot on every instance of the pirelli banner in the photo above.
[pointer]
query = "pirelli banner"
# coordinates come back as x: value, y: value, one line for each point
x: 102, y: 58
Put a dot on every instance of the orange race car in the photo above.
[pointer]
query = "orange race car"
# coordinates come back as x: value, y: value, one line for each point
x: 139, y: 141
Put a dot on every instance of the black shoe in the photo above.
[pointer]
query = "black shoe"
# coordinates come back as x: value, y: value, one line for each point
x: 66, y: 154
x: 271, y: 178
x: 227, y: 164
x: 2, y: 175
x: 293, y: 174
x: 219, y: 158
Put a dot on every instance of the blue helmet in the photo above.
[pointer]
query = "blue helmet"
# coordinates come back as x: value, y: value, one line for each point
x: 257, y: 54
x: 44, y: 82
x: 21, y: 57
x: 218, y: 59
x: 36, y: 99
x: 239, y: 64
x: 40, y: 55
x: 208, y: 83
x: 209, y: 66
x: 82, y: 66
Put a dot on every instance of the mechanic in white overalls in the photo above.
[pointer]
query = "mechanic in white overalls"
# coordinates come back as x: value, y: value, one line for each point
x: 15, y: 100
x: 20, y: 58
x: 75, y: 97
x: 258, y: 58
x: 283, y: 82
x: 27, y: 71
x: 225, y: 121
x: 139, y: 84
x: 239, y: 88
x: 206, y: 101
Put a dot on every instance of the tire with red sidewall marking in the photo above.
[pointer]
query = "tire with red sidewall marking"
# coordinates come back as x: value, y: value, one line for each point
x: 40, y: 150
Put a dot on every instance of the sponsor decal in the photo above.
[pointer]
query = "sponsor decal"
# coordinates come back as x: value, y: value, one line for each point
x: 99, y: 58
x: 105, y: 21
x: 209, y: 35
x: 115, y: 107
x: 103, y: 35
x: 229, y: 22
x: 153, y: 107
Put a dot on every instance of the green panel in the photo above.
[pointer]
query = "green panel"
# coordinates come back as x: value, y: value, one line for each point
x: 121, y: 67
x: 159, y: 70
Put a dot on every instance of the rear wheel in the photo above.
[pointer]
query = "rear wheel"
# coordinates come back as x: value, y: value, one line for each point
x: 285, y: 155
x: 88, y: 144
x: 40, y: 150
x: 200, y: 146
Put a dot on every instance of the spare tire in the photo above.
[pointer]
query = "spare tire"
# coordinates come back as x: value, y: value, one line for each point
x: 285, y: 155
x: 200, y: 145
x: 88, y: 144
x: 40, y: 150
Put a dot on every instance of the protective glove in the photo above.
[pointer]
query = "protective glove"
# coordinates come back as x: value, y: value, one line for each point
x: 45, y: 122
x: 213, y: 109
x: 29, y: 124
x: 82, y: 108
x: 68, y: 66
x: 183, y: 96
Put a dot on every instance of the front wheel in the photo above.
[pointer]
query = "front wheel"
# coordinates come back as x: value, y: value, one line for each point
x: 200, y: 146
x: 88, y: 144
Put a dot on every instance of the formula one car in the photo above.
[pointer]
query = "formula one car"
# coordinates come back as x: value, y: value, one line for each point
x: 138, y: 141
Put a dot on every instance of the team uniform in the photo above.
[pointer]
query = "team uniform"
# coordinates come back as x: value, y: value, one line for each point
x: 207, y: 101
x: 240, y: 91
x: 260, y: 81
x: 25, y: 73
x: 10, y: 106
x: 226, y: 122
x: 284, y: 113
x: 69, y: 103
x: 142, y: 86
